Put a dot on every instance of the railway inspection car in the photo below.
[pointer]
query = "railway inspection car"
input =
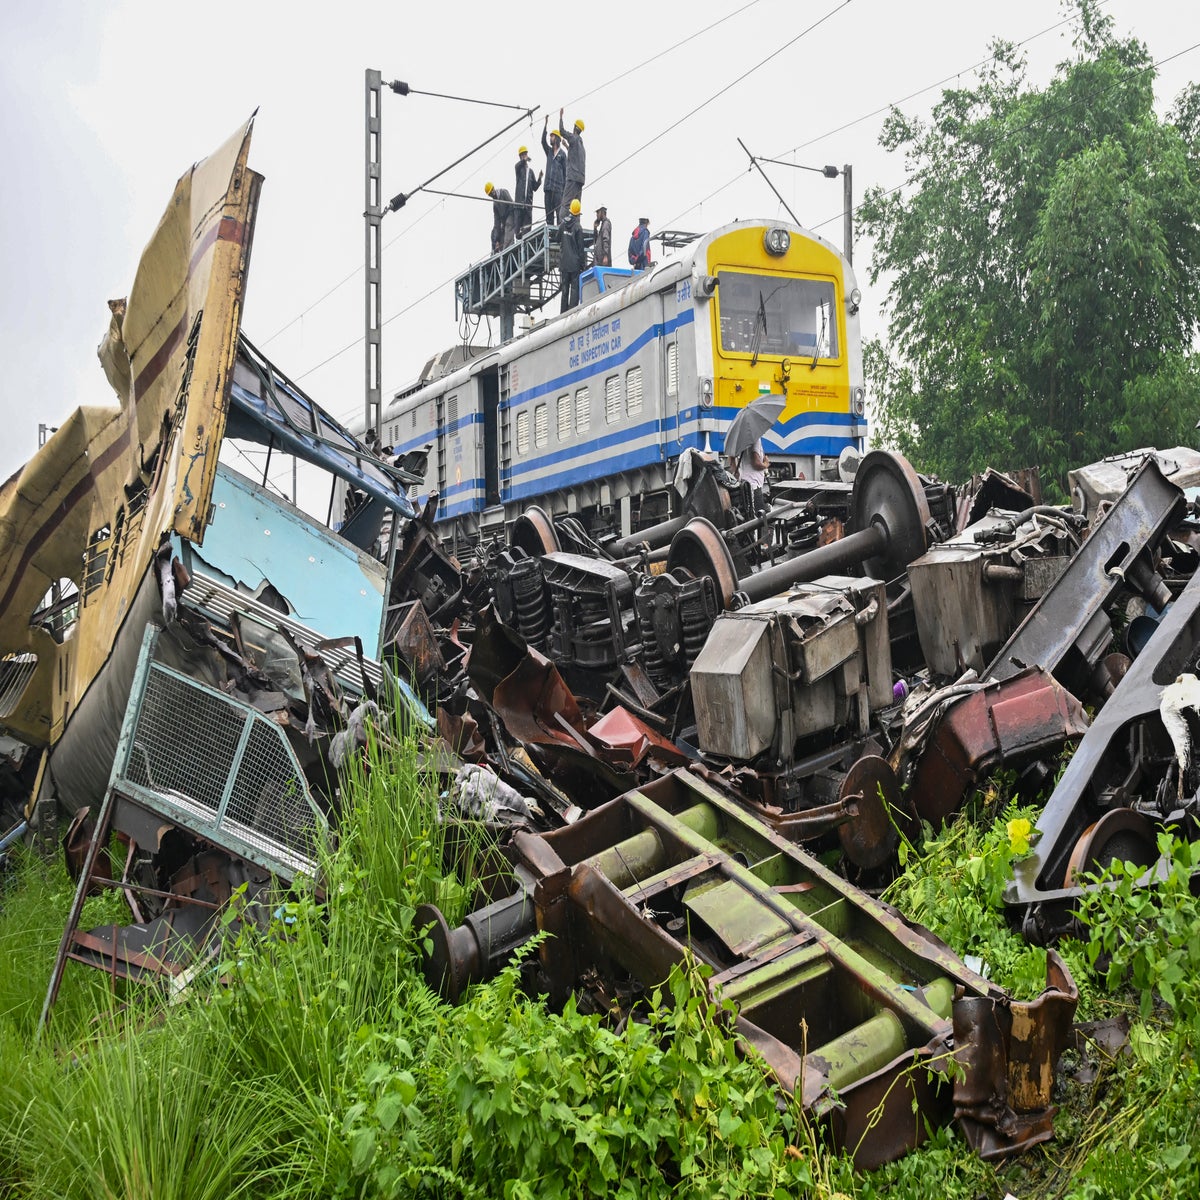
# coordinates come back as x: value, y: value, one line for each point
x: 588, y: 412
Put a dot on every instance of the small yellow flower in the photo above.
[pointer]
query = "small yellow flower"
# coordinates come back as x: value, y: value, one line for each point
x: 1019, y: 830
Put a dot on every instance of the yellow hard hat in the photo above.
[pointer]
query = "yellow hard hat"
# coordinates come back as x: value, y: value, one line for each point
x: 523, y: 150
x: 575, y: 208
x: 489, y: 188
x: 579, y: 124
x: 555, y: 133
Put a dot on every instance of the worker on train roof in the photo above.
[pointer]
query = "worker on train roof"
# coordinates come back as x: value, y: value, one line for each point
x: 555, y: 174
x: 576, y: 174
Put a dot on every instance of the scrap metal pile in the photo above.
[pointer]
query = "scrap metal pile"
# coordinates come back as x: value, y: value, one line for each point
x: 702, y: 714
x: 705, y: 738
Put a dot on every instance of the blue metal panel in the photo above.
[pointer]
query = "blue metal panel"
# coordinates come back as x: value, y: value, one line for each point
x: 255, y: 538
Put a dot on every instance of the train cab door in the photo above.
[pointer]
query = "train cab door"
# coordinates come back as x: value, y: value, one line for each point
x: 493, y: 447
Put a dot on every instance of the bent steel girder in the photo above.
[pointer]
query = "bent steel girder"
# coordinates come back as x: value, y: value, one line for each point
x: 1107, y: 774
x: 838, y: 993
x: 1066, y: 632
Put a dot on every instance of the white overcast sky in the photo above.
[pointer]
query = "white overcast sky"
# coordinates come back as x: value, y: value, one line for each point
x: 104, y: 104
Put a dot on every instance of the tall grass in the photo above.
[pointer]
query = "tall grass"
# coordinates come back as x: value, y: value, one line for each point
x: 314, y: 1061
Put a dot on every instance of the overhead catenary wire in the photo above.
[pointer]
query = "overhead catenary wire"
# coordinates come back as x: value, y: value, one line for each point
x: 721, y: 91
x: 875, y: 112
x: 654, y: 58
x: 979, y: 63
x: 913, y: 176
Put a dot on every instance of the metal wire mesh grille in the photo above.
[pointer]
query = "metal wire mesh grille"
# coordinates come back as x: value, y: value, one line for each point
x: 268, y: 797
x: 186, y: 747
x: 184, y: 740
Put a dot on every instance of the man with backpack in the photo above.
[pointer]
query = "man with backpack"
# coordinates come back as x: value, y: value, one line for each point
x: 639, y: 245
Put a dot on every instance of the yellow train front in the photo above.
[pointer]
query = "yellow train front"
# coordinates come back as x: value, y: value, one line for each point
x: 782, y: 316
x: 588, y: 412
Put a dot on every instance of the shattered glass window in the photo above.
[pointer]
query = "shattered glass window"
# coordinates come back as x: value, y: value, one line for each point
x: 58, y: 610
x: 16, y: 670
x: 95, y: 560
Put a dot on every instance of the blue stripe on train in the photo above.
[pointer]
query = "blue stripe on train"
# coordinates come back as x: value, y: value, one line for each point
x: 602, y: 364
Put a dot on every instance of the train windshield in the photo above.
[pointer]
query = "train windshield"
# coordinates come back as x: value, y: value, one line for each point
x: 773, y: 316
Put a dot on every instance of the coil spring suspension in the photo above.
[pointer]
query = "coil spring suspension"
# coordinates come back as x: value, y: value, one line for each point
x: 696, y: 618
x: 529, y: 598
x: 652, y: 658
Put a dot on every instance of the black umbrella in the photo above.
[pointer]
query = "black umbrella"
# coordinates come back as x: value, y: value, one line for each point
x: 752, y: 422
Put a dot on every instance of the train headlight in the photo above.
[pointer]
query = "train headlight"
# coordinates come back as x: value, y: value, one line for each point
x: 858, y: 400
x: 855, y: 299
x: 706, y: 393
x: 777, y: 241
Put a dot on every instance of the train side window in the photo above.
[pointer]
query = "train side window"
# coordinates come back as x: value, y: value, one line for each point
x: 523, y: 431
x: 564, y: 418
x: 95, y: 559
x: 541, y: 425
x: 612, y: 399
x: 16, y: 671
x: 583, y: 410
x: 633, y: 391
x: 673, y: 369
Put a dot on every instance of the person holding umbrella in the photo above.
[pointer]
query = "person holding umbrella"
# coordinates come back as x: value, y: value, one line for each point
x: 743, y: 441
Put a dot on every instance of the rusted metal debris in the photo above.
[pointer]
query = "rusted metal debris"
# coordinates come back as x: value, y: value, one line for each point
x: 854, y: 1010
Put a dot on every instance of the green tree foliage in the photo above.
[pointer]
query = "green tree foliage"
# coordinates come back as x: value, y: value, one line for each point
x: 1044, y: 265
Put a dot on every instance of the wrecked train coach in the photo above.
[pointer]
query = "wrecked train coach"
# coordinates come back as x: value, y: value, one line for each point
x: 164, y: 617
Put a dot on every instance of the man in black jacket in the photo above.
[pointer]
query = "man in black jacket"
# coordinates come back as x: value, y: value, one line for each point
x: 556, y: 173
x: 572, y: 257
x: 576, y: 164
x: 504, y: 216
x: 526, y: 186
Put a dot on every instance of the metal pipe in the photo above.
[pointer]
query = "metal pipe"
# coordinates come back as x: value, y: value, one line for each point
x: 635, y: 859
x: 824, y: 560
x: 15, y: 834
x: 652, y: 536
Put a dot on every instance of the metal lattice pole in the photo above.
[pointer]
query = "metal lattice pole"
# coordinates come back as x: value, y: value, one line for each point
x: 373, y: 215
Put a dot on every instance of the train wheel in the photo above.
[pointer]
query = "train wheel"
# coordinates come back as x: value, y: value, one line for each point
x: 870, y: 838
x: 888, y: 493
x: 533, y: 531
x: 699, y: 548
x: 1121, y: 835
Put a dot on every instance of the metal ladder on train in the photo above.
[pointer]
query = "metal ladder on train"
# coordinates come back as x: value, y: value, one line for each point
x: 505, y: 430
x: 441, y: 436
